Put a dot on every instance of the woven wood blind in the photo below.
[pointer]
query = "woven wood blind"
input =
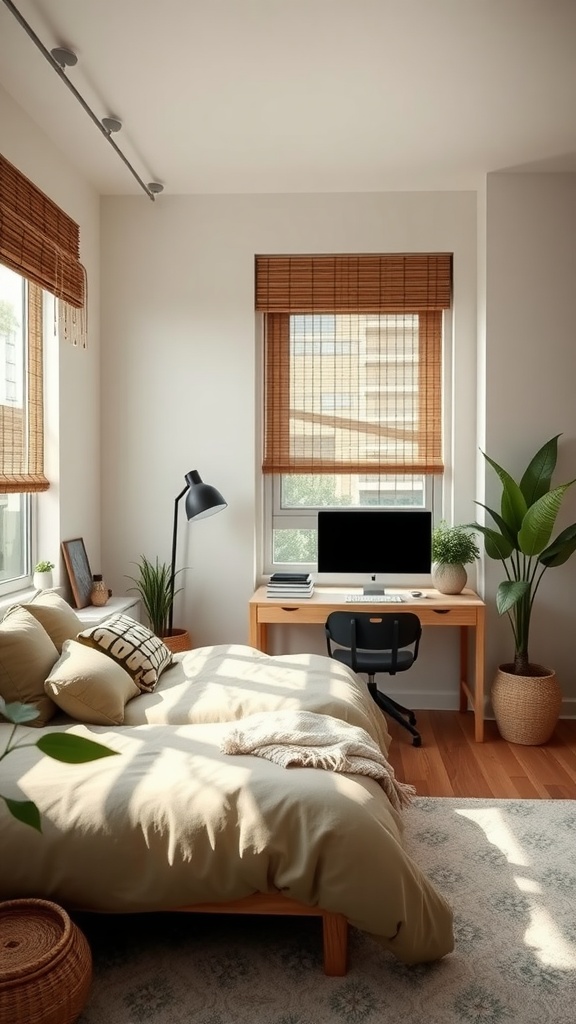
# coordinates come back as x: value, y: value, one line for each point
x: 353, y: 390
x: 22, y: 428
x: 37, y: 239
x: 354, y: 284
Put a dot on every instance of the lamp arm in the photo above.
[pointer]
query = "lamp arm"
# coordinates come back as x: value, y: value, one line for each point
x: 173, y: 563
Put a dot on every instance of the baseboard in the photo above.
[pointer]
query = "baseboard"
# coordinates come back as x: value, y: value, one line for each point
x: 426, y: 700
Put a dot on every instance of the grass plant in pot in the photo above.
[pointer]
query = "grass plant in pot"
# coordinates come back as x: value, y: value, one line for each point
x: 453, y: 547
x: 154, y: 584
x: 526, y: 696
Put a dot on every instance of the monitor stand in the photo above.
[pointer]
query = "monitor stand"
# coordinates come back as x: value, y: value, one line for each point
x: 373, y: 588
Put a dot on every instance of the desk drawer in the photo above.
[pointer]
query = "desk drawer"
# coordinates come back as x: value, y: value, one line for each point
x: 446, y: 616
x: 294, y: 613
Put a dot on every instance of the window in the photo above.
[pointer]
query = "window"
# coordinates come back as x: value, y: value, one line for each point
x: 352, y: 408
x: 20, y: 416
x: 39, y: 249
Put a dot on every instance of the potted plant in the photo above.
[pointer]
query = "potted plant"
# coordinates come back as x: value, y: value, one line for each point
x: 42, y: 578
x: 453, y: 547
x: 154, y: 584
x: 526, y: 696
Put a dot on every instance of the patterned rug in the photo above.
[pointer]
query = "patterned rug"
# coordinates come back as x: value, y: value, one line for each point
x: 508, y: 867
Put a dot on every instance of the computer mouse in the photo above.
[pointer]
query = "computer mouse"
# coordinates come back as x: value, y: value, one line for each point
x: 416, y: 593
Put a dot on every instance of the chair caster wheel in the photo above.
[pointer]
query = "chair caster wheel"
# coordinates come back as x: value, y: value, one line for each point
x: 412, y: 718
x: 417, y: 741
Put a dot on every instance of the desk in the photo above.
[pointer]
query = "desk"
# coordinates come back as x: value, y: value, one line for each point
x: 465, y: 610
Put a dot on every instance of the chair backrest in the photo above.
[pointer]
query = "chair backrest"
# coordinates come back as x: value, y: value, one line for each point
x: 374, y: 631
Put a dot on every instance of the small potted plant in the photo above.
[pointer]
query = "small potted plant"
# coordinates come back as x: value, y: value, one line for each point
x: 154, y: 585
x: 453, y: 547
x: 42, y: 578
x: 526, y: 696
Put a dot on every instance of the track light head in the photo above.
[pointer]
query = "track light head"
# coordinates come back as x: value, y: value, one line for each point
x: 64, y: 57
x: 111, y: 124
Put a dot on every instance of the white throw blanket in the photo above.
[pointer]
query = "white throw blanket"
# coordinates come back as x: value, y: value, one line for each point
x: 309, y: 740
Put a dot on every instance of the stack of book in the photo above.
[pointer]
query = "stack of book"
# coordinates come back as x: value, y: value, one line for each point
x: 290, y: 584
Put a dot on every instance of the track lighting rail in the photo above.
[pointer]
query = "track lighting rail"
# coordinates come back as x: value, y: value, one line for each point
x: 69, y: 59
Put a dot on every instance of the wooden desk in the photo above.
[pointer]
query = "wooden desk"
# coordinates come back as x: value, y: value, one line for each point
x: 465, y: 610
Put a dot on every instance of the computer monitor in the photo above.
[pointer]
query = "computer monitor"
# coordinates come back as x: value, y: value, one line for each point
x: 390, y: 542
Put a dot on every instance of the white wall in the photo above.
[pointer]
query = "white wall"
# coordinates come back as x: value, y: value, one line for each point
x: 530, y: 393
x: 180, y: 379
x: 71, y: 508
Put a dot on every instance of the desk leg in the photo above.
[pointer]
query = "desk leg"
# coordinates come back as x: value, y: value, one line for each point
x: 476, y: 696
x: 479, y: 680
x: 258, y: 631
x: 464, y: 687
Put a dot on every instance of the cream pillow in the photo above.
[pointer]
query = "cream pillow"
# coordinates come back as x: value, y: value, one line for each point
x: 55, y: 615
x: 133, y: 646
x: 27, y: 655
x: 89, y: 686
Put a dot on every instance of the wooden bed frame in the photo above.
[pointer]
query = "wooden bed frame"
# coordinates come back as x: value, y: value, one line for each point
x: 334, y: 926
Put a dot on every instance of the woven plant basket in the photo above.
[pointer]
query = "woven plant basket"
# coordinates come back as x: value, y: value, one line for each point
x: 45, y: 964
x: 178, y: 640
x: 526, y: 708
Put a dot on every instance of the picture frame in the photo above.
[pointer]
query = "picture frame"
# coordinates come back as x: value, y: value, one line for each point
x: 78, y: 569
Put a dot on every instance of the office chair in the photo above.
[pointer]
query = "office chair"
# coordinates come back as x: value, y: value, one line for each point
x: 372, y: 642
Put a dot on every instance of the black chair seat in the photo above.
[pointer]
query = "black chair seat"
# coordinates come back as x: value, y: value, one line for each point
x: 372, y: 642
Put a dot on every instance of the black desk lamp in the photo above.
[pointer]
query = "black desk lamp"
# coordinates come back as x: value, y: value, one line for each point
x: 202, y: 501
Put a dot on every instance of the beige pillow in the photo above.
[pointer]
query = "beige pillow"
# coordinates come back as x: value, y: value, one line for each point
x: 27, y: 655
x: 89, y: 686
x: 55, y: 614
x: 133, y: 646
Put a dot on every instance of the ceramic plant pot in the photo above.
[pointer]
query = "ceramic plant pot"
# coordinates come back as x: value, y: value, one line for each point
x: 43, y: 580
x: 449, y: 579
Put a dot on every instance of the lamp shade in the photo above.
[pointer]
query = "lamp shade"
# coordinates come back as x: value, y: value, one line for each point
x: 202, y: 499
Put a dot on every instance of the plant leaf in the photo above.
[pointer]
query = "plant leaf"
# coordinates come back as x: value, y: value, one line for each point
x: 18, y: 713
x: 496, y: 545
x: 509, y: 593
x: 72, y: 749
x: 513, y: 503
x: 25, y: 811
x: 538, y: 475
x: 560, y: 549
x: 539, y: 521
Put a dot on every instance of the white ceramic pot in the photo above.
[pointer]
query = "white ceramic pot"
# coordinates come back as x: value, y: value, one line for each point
x: 43, y: 580
x: 449, y: 579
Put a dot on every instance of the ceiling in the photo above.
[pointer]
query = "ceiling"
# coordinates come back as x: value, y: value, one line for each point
x: 239, y: 96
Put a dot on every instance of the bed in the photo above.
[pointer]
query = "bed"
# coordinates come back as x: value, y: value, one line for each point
x: 174, y: 822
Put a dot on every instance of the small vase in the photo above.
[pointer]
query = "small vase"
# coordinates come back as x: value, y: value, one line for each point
x: 449, y: 579
x: 43, y: 580
x: 99, y: 595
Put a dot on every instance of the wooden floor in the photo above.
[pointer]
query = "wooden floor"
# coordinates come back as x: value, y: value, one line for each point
x: 451, y: 763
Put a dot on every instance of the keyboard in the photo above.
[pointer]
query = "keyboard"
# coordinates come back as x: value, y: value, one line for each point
x: 373, y: 599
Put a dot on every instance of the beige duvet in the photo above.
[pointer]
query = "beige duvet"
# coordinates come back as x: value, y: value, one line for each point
x: 173, y: 821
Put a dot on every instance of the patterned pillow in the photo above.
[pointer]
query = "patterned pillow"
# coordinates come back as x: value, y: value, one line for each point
x: 133, y: 646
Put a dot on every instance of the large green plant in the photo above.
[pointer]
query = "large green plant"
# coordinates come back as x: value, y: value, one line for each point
x: 522, y: 541
x: 154, y: 585
x: 62, y: 746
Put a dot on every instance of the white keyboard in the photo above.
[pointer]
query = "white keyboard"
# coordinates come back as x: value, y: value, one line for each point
x: 373, y: 599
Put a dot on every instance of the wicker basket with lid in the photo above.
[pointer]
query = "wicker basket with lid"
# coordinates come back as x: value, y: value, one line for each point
x: 45, y: 964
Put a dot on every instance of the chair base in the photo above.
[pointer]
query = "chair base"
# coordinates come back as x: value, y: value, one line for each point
x: 404, y: 716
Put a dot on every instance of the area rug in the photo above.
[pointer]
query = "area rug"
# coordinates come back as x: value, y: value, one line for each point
x: 508, y: 867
